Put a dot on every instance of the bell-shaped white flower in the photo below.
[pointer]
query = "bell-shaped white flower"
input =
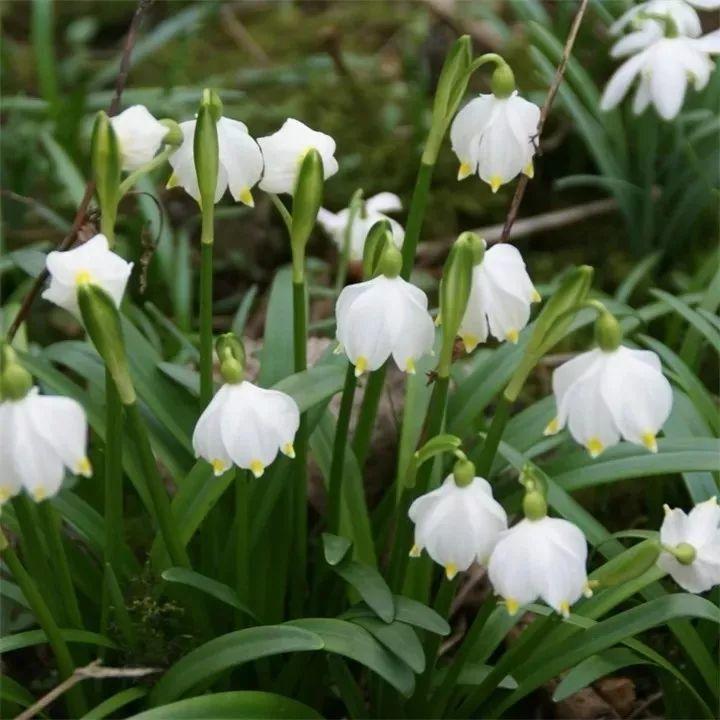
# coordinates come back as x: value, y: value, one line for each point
x: 246, y: 425
x: 692, y: 546
x: 335, y: 224
x: 240, y: 162
x: 91, y: 262
x: 646, y: 28
x: 40, y: 436
x: 500, y: 297
x: 139, y: 136
x: 382, y: 317
x: 495, y: 137
x: 542, y: 558
x: 284, y: 150
x: 605, y: 395
x: 457, y: 525
x: 664, y: 70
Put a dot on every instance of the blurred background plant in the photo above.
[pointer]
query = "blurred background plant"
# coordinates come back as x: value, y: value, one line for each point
x: 634, y: 196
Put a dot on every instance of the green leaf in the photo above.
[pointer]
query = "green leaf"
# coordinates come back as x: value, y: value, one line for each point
x: 12, y: 691
x: 241, y: 315
x: 228, y: 651
x: 371, y: 586
x: 313, y: 386
x: 218, y: 590
x: 245, y: 705
x: 398, y: 638
x: 594, y: 668
x: 411, y: 612
x: 356, y: 643
x: 66, y: 172
x: 21, y: 640
x: 706, y: 329
x: 335, y: 548
x: 115, y: 702
x: 473, y: 673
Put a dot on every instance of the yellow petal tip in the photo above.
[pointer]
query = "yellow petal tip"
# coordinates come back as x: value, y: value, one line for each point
x: 495, y: 183
x: 83, y: 467
x: 245, y: 197
x: 172, y: 182
x: 464, y: 170
x: 535, y: 297
x: 469, y: 341
x: 552, y: 428
x: 218, y: 466
x: 415, y: 551
x: 451, y: 571
x: 39, y: 494
x: 512, y: 605
x: 594, y: 447
x: 360, y: 366
x: 529, y: 170
x: 410, y: 366
x: 257, y: 468
x: 512, y: 336
x: 5, y: 494
x: 565, y: 609
x: 288, y: 449
x: 649, y: 441
x: 83, y: 277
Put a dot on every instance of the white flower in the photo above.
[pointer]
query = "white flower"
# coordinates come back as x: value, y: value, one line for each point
x: 380, y: 317
x: 40, y: 436
x: 664, y: 68
x: 495, y: 137
x: 603, y: 395
x: 335, y: 224
x: 92, y: 262
x: 246, y: 425
x: 284, y: 150
x: 240, y: 161
x: 139, y: 136
x: 542, y: 558
x: 699, y: 532
x: 457, y: 525
x: 500, y: 298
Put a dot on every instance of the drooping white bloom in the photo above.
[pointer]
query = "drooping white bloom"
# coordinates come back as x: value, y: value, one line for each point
x: 664, y: 69
x: 246, y: 425
x: 335, y: 224
x: 457, y: 525
x: 40, y: 436
x: 284, y: 150
x: 500, y: 298
x: 382, y: 317
x: 495, y: 137
x: 605, y: 395
x: 542, y: 558
x: 92, y: 262
x: 240, y: 161
x: 139, y: 136
x: 700, y: 530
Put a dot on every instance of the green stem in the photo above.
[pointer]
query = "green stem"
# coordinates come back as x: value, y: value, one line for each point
x: 368, y: 412
x: 492, y: 440
x: 416, y: 216
x: 65, y: 589
x: 347, y: 241
x: 338, y: 455
x: 113, y: 473
x: 33, y: 550
x: 449, y: 683
x: 77, y: 706
x: 206, y: 311
x: 158, y: 494
x: 434, y: 421
x: 242, y: 537
x: 301, y: 441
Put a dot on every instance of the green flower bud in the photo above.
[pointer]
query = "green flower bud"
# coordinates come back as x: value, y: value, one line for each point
x: 502, y: 82
x: 307, y: 200
x: 205, y: 148
x: 608, y: 334
x: 455, y: 288
x: 174, y: 135
x: 231, y: 353
x: 684, y: 553
x: 627, y: 566
x: 534, y: 505
x: 102, y: 322
x: 212, y: 100
x: 106, y: 165
x: 378, y: 236
x: 463, y: 473
x: 390, y: 262
x: 15, y: 382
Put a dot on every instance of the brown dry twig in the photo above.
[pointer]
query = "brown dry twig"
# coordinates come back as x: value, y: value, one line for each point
x: 544, y: 112
x: 81, y: 214
x: 94, y: 671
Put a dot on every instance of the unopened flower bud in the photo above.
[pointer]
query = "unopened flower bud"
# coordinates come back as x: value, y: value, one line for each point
x: 626, y: 567
x: 106, y: 166
x: 307, y: 199
x: 206, y: 148
x: 231, y: 352
x: 378, y: 236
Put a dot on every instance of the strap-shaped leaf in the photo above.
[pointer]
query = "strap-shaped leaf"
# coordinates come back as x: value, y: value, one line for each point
x: 399, y: 638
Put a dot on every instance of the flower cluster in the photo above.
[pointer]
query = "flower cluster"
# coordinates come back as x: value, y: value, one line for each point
x: 666, y: 53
